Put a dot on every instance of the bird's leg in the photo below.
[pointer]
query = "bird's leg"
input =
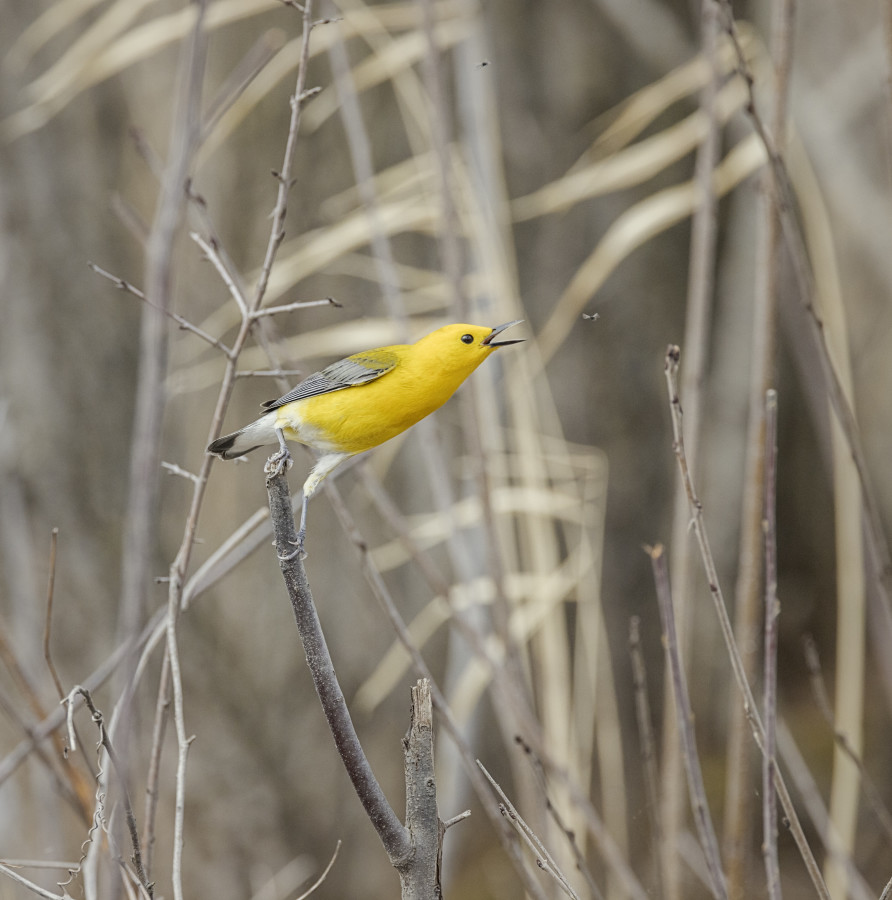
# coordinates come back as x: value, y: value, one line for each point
x: 281, y: 459
x: 302, y: 531
x: 323, y: 466
x: 301, y: 536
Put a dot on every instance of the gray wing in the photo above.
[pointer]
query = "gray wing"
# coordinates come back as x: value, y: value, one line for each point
x: 357, y: 369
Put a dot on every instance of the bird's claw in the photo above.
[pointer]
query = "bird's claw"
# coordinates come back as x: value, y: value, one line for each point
x: 279, y: 462
x: 298, y: 552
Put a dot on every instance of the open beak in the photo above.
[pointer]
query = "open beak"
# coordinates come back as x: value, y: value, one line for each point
x: 489, y: 342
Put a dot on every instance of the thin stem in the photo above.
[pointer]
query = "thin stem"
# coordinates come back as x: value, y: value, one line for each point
x: 648, y: 743
x: 312, y: 888
x: 543, y: 858
x: 50, y: 590
x: 748, y: 593
x: 159, y: 728
x: 685, y: 719
x: 772, y: 610
x: 291, y: 307
x: 209, y: 249
x: 283, y: 177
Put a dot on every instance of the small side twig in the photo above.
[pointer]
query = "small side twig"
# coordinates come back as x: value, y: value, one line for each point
x: 456, y: 819
x: 315, y: 885
x: 291, y: 307
x: 174, y: 469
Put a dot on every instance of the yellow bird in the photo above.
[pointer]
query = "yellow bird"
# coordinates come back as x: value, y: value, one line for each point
x: 359, y: 402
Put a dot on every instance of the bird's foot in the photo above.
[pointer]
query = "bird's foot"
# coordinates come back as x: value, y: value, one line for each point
x: 279, y: 462
x: 298, y: 551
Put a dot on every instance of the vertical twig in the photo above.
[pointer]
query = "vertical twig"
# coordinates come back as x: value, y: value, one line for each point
x: 50, y: 592
x: 685, y: 722
x: 159, y: 728
x: 701, y: 281
x: 747, y: 595
x: 772, y: 610
x: 648, y: 746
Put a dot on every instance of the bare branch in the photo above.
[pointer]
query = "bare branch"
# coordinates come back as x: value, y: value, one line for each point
x: 390, y: 830
x: 185, y: 324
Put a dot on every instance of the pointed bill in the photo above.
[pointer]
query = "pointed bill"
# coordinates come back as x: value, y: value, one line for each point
x: 489, y: 342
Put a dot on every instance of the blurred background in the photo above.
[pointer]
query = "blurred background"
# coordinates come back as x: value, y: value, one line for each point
x: 461, y: 161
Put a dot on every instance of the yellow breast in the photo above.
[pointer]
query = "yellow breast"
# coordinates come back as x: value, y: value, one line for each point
x: 361, y: 417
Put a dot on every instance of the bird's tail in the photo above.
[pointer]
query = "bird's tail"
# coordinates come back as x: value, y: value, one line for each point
x: 257, y: 434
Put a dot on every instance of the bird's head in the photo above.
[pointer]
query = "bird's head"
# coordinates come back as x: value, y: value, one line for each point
x: 464, y: 347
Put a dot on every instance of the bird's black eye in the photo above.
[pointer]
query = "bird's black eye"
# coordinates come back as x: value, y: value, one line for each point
x: 467, y: 338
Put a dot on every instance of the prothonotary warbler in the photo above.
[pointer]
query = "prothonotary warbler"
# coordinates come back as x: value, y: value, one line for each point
x: 361, y: 401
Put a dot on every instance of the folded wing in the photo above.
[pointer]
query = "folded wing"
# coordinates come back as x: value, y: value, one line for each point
x: 354, y: 370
